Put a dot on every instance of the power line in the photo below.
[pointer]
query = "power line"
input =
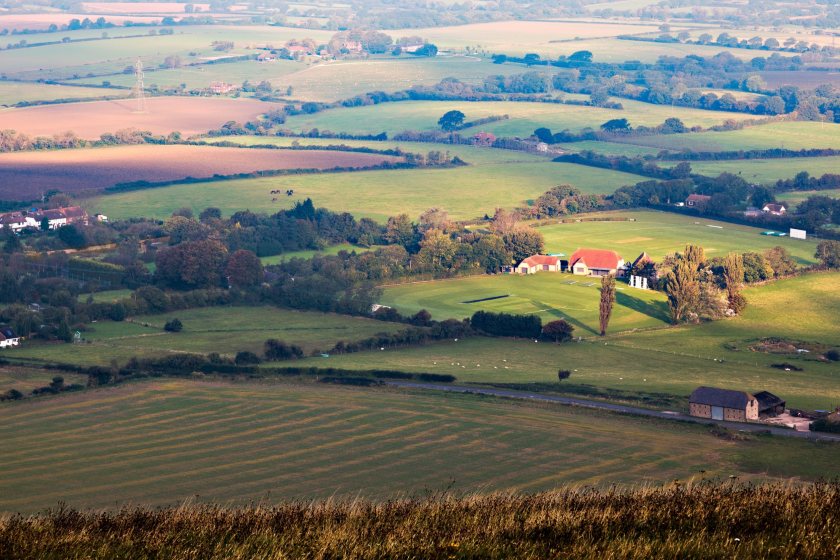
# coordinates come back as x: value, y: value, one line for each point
x: 139, y: 89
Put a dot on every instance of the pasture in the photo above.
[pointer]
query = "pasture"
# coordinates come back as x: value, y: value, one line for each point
x: 661, y: 233
x: 163, y: 115
x: 226, y: 330
x: 25, y: 379
x: 98, y: 168
x: 768, y: 171
x: 795, y: 197
x: 16, y: 92
x: 524, y: 117
x: 175, y: 441
x: 670, y: 361
x: 465, y: 192
x: 550, y: 295
x: 789, y: 135
x: 331, y: 250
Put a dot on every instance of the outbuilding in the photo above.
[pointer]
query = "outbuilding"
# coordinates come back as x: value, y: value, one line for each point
x: 539, y: 263
x: 723, y: 404
x: 596, y: 262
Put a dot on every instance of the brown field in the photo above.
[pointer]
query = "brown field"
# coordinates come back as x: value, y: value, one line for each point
x: 140, y: 7
x: 25, y: 175
x: 43, y: 21
x: 187, y: 115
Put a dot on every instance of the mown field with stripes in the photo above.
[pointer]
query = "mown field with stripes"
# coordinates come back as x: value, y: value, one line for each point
x: 167, y: 441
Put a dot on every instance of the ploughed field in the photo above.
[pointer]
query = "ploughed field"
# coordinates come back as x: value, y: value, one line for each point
x: 167, y: 441
x: 25, y: 175
x: 163, y: 115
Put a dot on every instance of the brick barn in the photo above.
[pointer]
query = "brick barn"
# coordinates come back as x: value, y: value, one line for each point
x: 723, y: 404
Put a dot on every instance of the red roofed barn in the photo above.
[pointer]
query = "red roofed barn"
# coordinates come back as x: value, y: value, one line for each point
x: 596, y: 262
x: 537, y: 263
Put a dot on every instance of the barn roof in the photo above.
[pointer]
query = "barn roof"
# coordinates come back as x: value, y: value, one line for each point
x: 642, y: 259
x: 726, y: 398
x: 767, y: 400
x: 537, y: 260
x: 596, y: 258
x: 698, y: 198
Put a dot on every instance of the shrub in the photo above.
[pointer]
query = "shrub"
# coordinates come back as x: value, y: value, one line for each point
x: 246, y: 358
x: 563, y: 374
x: 173, y: 325
x: 833, y: 355
x: 279, y: 350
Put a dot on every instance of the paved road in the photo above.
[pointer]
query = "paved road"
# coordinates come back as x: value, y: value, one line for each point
x: 620, y: 408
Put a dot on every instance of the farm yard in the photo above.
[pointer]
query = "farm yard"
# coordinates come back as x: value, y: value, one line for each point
x: 654, y: 364
x: 163, y: 115
x: 25, y: 175
x: 226, y: 330
x: 524, y: 117
x: 550, y: 295
x: 272, y: 441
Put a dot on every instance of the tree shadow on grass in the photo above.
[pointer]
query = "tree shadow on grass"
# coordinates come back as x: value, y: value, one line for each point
x: 558, y: 314
x: 657, y: 309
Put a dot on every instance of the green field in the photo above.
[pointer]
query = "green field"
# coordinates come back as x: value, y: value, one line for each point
x: 16, y: 92
x: 524, y: 117
x: 25, y: 379
x: 661, y: 233
x: 768, y: 171
x: 790, y: 135
x: 549, y: 295
x: 108, y: 296
x: 331, y: 250
x: 673, y: 361
x: 174, y: 441
x: 494, y: 178
x: 795, y: 197
x: 226, y: 330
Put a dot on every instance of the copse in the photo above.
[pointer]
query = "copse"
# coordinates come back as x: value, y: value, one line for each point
x: 506, y: 324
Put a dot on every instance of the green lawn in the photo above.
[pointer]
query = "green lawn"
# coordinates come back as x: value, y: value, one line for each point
x: 673, y: 361
x: 169, y: 441
x: 790, y: 135
x: 494, y: 178
x: 549, y: 295
x: 524, y: 117
x: 331, y: 250
x: 661, y: 233
x: 768, y: 171
x: 226, y: 330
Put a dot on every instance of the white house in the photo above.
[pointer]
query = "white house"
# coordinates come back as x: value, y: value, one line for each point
x: 539, y: 263
x: 17, y: 221
x: 596, y: 262
x: 774, y: 209
x: 8, y: 338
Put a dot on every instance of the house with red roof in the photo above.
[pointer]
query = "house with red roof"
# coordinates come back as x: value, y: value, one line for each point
x: 774, y: 209
x: 698, y: 201
x: 539, y: 263
x: 596, y: 262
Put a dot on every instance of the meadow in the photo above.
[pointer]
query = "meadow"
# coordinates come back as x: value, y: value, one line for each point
x: 226, y: 330
x: 795, y: 197
x: 670, y: 361
x: 661, y: 233
x: 171, y: 441
x: 550, y: 295
x: 16, y: 92
x: 163, y: 115
x: 308, y: 254
x: 789, y: 135
x: 768, y: 171
x: 25, y: 175
x: 25, y: 379
x: 524, y: 117
x: 494, y: 178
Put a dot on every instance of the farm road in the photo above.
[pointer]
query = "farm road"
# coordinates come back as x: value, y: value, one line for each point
x: 619, y: 408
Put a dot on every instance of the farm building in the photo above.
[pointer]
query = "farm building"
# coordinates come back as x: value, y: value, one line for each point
x: 266, y: 56
x: 60, y: 217
x: 539, y: 263
x: 221, y: 88
x: 769, y: 404
x: 698, y: 201
x: 8, y: 337
x: 723, y: 404
x: 596, y: 262
x: 17, y: 221
x: 774, y: 209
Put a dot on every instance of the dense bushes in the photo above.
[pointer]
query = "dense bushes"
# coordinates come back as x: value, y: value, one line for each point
x: 505, y: 324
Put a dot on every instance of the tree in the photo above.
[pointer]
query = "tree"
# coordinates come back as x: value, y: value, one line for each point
x: 210, y: 213
x: 244, y: 269
x: 173, y: 325
x: 828, y: 252
x: 522, y: 242
x: 558, y: 331
x: 274, y: 350
x: 400, y: 231
x: 544, y: 135
x: 696, y: 255
x: 613, y: 125
x: 246, y: 358
x: 780, y: 260
x: 607, y: 302
x: 72, y: 236
x: 193, y: 264
x: 435, y: 218
x: 451, y: 120
x: 436, y: 249
x: 683, y: 289
x: 584, y: 57
x: 733, y: 276
x: 118, y: 312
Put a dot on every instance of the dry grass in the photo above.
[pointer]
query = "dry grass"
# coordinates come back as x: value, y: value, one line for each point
x: 25, y: 175
x: 188, y: 115
x: 703, y: 521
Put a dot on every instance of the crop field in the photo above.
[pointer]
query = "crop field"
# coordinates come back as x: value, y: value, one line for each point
x: 524, y: 117
x: 661, y: 233
x: 226, y: 330
x: 16, y: 92
x: 174, y: 441
x: 671, y: 361
x: 790, y: 135
x: 25, y: 175
x: 550, y: 295
x: 465, y: 192
x: 768, y: 171
x: 187, y: 115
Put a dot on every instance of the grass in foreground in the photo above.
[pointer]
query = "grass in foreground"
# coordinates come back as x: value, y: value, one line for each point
x: 699, y: 521
x: 166, y: 441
